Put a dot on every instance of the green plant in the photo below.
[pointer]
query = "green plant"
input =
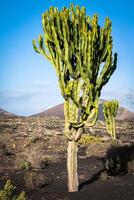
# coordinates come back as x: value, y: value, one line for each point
x: 25, y: 165
x: 77, y: 46
x: 110, y: 110
x: 87, y: 139
x: 8, y: 193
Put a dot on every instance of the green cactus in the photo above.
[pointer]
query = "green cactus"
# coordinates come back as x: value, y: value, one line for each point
x: 9, y: 193
x: 110, y: 110
x: 76, y: 46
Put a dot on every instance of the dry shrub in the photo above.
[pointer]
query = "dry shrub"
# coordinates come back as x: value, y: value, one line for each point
x: 34, y: 156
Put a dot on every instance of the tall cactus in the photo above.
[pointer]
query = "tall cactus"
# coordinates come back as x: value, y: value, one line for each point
x: 110, y: 110
x: 76, y: 46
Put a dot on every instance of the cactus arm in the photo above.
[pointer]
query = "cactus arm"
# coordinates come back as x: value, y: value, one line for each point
x: 41, y: 48
x: 106, y: 72
x: 91, y: 120
x: 35, y: 47
x: 114, y: 131
x: 105, y: 39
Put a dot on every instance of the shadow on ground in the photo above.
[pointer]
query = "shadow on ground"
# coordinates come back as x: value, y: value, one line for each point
x: 119, y: 161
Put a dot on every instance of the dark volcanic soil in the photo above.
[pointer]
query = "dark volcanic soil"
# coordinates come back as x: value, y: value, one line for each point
x: 51, y: 183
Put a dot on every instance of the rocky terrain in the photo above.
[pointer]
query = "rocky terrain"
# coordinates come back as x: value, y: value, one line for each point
x: 4, y: 113
x: 33, y: 157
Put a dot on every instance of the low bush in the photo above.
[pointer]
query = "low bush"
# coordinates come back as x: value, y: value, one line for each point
x: 8, y: 193
x: 87, y: 139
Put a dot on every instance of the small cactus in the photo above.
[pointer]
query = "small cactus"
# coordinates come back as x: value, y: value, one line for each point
x: 110, y: 110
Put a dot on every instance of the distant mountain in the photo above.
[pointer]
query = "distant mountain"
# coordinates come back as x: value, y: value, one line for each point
x: 4, y: 113
x: 58, y: 111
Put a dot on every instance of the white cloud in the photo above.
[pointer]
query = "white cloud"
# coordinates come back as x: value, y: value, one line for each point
x: 35, y: 99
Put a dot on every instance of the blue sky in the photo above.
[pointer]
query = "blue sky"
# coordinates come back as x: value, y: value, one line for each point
x: 28, y: 83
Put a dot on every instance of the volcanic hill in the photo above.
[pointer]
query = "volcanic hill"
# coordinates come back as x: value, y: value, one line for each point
x: 58, y: 111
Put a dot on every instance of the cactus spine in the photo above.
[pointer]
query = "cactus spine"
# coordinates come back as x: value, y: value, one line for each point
x: 76, y: 46
x: 110, y: 110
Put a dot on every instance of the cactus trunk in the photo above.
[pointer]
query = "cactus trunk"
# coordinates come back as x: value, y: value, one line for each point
x: 72, y: 150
